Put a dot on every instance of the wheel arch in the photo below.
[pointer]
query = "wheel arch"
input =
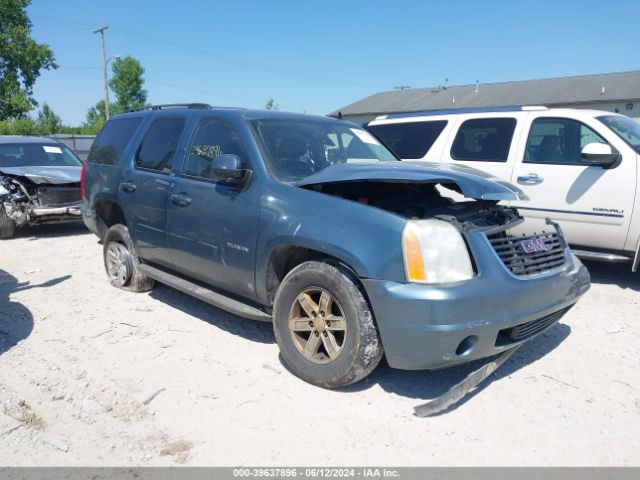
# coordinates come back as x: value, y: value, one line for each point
x: 108, y: 214
x: 285, y: 257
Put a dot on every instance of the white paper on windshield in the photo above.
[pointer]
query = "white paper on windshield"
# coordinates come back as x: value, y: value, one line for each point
x: 365, y: 136
x: 51, y: 149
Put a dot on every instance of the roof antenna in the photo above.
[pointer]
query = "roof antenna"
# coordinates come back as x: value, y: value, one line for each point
x: 446, y: 83
x: 477, y: 85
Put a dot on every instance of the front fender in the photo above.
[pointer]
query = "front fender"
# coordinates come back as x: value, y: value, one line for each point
x: 365, y: 238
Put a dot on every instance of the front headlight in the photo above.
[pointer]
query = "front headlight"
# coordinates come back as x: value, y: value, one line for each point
x: 434, y: 252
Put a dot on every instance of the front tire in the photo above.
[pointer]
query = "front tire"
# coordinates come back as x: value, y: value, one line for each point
x: 121, y: 262
x: 7, y: 226
x: 324, y: 327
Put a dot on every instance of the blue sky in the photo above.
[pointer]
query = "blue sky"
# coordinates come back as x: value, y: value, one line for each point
x: 317, y: 56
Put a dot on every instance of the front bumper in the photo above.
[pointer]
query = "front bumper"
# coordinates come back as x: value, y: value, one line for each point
x: 435, y: 326
x: 67, y: 213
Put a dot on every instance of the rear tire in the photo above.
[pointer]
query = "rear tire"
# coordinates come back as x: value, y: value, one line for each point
x: 121, y: 262
x: 324, y: 327
x: 7, y: 226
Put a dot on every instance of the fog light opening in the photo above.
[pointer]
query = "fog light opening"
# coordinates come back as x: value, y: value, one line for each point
x: 466, y: 346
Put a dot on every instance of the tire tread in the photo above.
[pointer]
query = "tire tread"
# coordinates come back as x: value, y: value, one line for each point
x: 368, y: 349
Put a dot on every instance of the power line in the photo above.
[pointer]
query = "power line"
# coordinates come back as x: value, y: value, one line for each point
x: 216, y: 58
x: 64, y: 67
x: 273, y: 69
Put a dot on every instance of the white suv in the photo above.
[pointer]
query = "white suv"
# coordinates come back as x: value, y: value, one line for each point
x: 578, y: 167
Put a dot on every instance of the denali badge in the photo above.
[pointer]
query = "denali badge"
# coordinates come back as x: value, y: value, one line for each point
x: 536, y: 244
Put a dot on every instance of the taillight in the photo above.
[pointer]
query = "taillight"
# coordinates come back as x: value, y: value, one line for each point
x: 82, y: 175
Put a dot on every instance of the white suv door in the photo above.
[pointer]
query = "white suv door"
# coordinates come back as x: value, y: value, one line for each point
x: 592, y: 203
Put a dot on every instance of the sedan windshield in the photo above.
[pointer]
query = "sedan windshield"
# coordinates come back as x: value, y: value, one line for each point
x: 37, y: 155
x: 627, y: 129
x: 299, y: 148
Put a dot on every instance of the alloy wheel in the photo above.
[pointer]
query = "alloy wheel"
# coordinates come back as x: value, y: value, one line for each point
x: 317, y: 325
x: 118, y: 263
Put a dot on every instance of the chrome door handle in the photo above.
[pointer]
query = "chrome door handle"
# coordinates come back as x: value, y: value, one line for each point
x: 128, y: 187
x: 531, y: 179
x: 181, y: 200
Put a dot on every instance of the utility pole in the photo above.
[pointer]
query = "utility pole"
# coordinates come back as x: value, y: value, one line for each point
x: 104, y: 70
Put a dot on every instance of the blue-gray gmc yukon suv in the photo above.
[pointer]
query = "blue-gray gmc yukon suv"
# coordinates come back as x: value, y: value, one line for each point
x: 310, y: 222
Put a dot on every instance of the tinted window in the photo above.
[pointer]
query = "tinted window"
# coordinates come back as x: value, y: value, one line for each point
x: 159, y: 145
x: 112, y: 140
x: 409, y: 140
x: 211, y: 139
x: 558, y: 140
x: 37, y: 154
x: 484, y: 140
x: 299, y: 148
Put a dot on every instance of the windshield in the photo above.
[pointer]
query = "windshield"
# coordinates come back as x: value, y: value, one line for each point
x: 299, y: 148
x: 37, y: 155
x: 627, y: 129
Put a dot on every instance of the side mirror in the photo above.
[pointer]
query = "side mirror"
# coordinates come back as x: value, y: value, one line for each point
x: 599, y: 154
x: 228, y: 168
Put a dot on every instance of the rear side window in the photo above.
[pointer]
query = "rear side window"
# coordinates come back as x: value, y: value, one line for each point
x: 409, y: 140
x: 112, y: 140
x: 484, y: 140
x: 159, y: 144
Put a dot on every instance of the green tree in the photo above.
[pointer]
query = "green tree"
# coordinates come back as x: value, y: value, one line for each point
x: 96, y: 114
x: 48, y: 122
x: 96, y: 117
x: 270, y: 105
x: 21, y: 59
x: 127, y: 83
x: 19, y: 126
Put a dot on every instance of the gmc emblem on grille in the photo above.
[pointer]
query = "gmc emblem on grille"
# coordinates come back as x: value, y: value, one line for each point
x: 533, y: 245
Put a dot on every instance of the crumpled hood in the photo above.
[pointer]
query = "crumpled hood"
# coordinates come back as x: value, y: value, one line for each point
x: 472, y: 183
x: 45, y: 175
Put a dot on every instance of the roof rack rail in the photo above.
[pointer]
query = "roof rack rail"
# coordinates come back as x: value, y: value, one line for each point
x: 173, y: 105
x: 454, y: 111
x: 179, y: 105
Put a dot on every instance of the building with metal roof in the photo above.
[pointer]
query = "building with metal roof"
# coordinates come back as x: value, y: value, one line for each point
x: 615, y: 92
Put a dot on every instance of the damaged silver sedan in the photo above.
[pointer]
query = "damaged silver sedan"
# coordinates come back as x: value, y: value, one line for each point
x: 39, y: 183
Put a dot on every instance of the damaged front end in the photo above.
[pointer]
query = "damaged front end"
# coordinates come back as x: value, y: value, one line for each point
x: 418, y: 193
x: 29, y: 201
x: 421, y: 194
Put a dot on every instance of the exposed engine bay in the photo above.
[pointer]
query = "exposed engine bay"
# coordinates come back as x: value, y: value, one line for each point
x: 419, y: 200
x: 29, y: 201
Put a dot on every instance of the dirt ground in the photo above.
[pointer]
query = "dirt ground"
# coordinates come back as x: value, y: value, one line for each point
x: 91, y: 375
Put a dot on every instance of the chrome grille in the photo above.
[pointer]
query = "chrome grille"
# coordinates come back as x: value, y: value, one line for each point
x: 527, y: 261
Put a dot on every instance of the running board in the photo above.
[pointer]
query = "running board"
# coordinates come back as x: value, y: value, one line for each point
x: 216, y: 299
x: 606, y: 257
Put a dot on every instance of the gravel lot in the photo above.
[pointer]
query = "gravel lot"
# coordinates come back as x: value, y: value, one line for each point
x: 80, y: 362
